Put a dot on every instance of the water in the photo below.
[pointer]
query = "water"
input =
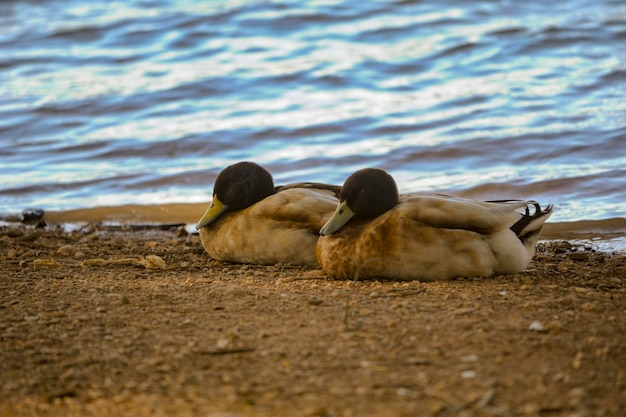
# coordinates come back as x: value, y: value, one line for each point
x: 145, y: 101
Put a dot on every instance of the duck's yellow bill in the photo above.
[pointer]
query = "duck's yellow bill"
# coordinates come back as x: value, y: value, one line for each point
x: 215, y: 209
x: 340, y: 217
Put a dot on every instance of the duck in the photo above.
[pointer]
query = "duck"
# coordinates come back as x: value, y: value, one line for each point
x: 376, y: 234
x: 252, y: 221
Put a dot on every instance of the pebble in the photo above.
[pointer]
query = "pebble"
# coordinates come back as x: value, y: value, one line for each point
x: 468, y: 374
x: 32, y: 215
x: 575, y: 396
x: 14, y: 233
x: 153, y: 262
x: 66, y: 250
x: 235, y: 290
x: 577, y: 362
x: 469, y: 358
x: 562, y: 247
x: 463, y: 311
x: 29, y: 237
x: 579, y: 256
x: 537, y: 326
x: 588, y: 306
x: 222, y: 343
x: 402, y: 392
x: 45, y: 262
x: 315, y: 273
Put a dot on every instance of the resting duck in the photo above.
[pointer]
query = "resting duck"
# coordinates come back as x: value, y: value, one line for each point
x: 252, y: 221
x: 376, y: 234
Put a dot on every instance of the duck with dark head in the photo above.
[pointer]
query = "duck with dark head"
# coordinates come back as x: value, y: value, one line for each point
x: 251, y: 221
x: 374, y: 233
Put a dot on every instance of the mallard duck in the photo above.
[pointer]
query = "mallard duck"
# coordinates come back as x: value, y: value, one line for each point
x: 374, y: 233
x: 252, y: 221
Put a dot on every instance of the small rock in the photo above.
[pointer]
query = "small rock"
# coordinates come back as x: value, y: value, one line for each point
x: 125, y: 300
x: 463, y: 311
x: 153, y: 262
x: 182, y: 232
x: 579, y: 256
x: 402, y: 392
x: 562, y: 247
x: 13, y: 233
x: 315, y: 273
x: 66, y: 250
x: 222, y: 343
x: 537, y: 326
x: 575, y: 396
x: 45, y: 263
x: 468, y: 374
x: 235, y: 290
x: 80, y: 255
x: 33, y: 216
x: 469, y: 358
x: 316, y: 301
x: 588, y: 306
x: 29, y: 237
x: 559, y: 376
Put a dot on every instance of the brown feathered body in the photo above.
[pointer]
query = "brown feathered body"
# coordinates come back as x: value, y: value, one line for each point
x: 435, y: 237
x: 281, y: 228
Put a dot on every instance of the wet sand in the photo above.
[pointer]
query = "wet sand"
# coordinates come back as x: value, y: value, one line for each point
x: 105, y: 321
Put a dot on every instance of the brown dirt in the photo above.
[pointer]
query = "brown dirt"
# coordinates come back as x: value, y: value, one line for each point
x: 143, y: 323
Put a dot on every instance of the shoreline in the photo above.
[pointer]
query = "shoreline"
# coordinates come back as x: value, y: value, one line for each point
x: 605, y: 234
x: 189, y: 213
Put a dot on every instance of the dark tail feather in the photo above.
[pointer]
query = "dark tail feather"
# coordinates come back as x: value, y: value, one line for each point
x: 528, y: 228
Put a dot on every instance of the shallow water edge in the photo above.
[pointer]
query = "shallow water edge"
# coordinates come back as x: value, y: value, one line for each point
x: 605, y: 235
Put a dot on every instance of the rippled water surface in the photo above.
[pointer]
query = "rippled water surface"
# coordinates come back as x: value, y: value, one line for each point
x: 112, y: 103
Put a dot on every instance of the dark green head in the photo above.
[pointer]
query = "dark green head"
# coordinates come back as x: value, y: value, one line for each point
x: 243, y: 184
x: 366, y: 194
x: 237, y: 187
x: 369, y: 192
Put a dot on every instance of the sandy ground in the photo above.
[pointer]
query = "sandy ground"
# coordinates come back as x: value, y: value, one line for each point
x: 142, y: 323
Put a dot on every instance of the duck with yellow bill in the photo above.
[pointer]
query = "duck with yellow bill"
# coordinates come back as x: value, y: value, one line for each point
x: 374, y: 233
x: 252, y: 221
